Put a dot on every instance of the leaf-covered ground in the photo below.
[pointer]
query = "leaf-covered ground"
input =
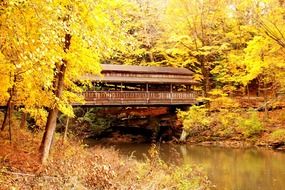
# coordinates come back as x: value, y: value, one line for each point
x: 75, y: 166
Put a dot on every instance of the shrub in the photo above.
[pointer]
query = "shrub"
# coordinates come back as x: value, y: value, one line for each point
x: 224, y: 102
x: 278, y: 135
x: 227, y: 118
x: 156, y: 174
x: 87, y: 122
x: 250, y: 125
x: 227, y: 121
x: 195, y: 118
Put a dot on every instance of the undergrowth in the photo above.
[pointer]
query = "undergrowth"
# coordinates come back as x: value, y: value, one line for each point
x: 278, y: 135
x: 74, y: 166
x: 251, y: 124
x: 226, y: 123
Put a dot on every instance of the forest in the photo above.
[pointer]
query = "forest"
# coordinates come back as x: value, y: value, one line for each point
x: 235, y: 49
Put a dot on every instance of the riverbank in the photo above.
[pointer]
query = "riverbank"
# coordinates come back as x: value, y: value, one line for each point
x: 72, y: 165
x: 234, y: 143
x: 224, y: 128
x: 227, y: 168
x: 240, y: 130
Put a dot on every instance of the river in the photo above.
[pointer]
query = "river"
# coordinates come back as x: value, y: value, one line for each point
x: 227, y: 168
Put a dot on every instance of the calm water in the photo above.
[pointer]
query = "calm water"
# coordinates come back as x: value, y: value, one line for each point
x: 227, y: 168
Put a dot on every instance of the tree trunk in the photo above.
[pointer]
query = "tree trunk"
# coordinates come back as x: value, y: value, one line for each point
x: 205, y: 73
x: 207, y: 82
x: 6, y: 116
x: 65, y: 130
x: 183, y: 136
x: 52, y: 116
x: 48, y: 135
x: 10, y: 105
x: 23, y: 120
x: 266, y: 114
x: 10, y: 127
x: 247, y: 91
x: 206, y: 79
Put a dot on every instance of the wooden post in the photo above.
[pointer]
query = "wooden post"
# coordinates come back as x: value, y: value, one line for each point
x: 147, y: 100
x: 171, y: 93
x: 122, y: 101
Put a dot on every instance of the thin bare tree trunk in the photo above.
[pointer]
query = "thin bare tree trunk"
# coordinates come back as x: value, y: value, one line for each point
x: 183, y: 136
x: 205, y: 73
x: 10, y: 127
x: 6, y: 115
x: 65, y: 130
x: 10, y: 105
x: 266, y: 114
x: 205, y: 92
x: 247, y: 91
x: 23, y: 120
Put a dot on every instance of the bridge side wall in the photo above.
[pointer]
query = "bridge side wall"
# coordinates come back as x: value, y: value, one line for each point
x: 139, y: 98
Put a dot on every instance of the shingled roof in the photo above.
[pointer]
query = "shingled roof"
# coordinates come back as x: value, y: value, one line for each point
x: 142, y: 74
x: 145, y: 69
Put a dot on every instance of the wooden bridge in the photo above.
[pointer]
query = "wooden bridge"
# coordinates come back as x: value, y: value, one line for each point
x: 139, y: 98
x: 123, y: 85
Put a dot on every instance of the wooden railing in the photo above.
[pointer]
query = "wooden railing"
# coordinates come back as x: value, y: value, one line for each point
x: 139, y: 98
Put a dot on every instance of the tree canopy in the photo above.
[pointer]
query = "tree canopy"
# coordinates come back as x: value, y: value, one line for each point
x: 46, y: 46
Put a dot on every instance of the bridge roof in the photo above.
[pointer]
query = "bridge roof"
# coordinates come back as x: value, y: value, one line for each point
x: 145, y: 69
x: 142, y: 74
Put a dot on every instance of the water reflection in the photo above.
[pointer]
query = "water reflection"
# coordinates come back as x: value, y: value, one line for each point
x: 228, y: 169
x: 240, y: 169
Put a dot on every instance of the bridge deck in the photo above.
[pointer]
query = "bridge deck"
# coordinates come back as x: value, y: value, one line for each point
x: 116, y: 98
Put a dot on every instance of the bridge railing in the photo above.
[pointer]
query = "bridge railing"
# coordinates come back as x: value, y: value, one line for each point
x: 135, y: 97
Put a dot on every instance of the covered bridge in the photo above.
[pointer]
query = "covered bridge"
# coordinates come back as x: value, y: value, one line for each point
x: 129, y: 85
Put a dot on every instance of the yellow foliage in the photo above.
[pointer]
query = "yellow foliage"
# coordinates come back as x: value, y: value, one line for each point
x: 32, y: 38
x: 224, y: 103
x: 195, y: 117
x: 5, y: 75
